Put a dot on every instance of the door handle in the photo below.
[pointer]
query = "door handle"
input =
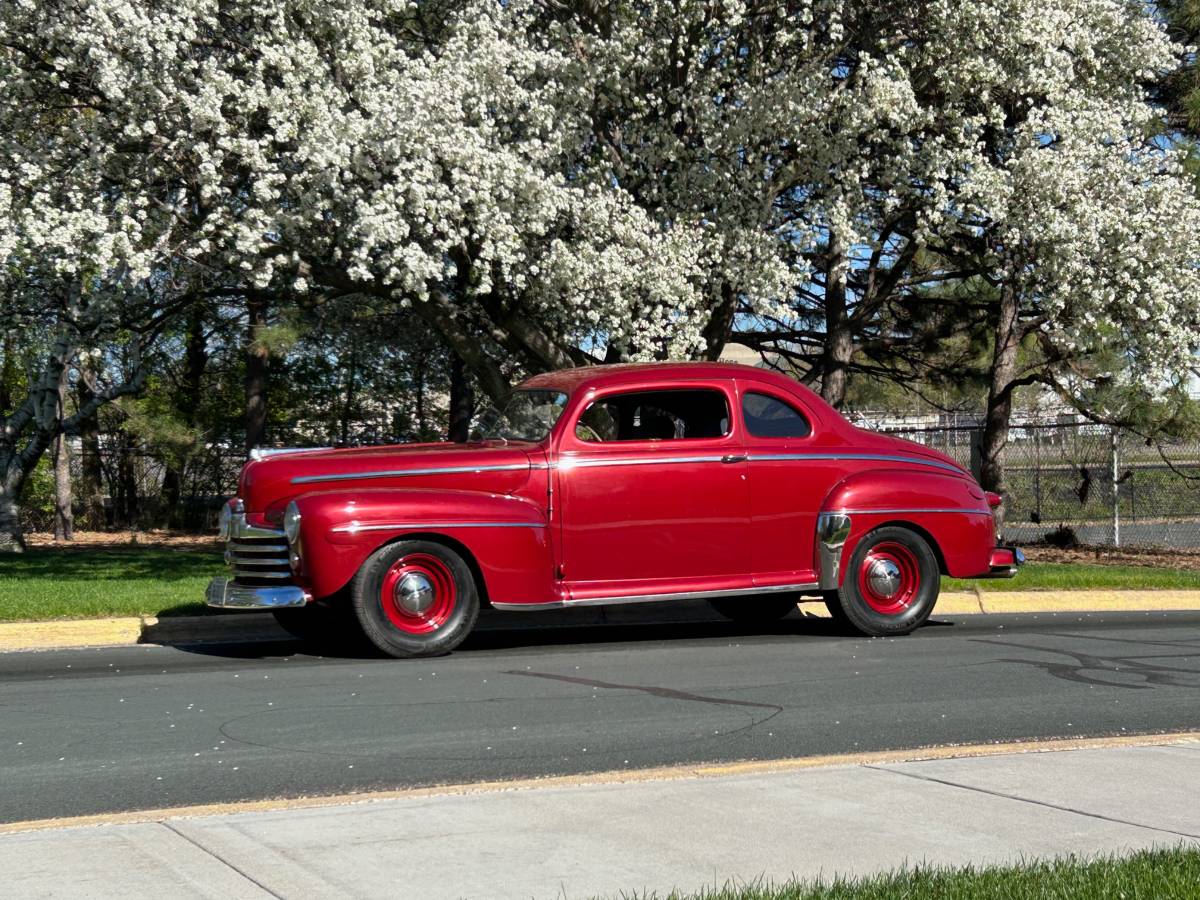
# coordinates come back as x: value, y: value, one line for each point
x: 735, y: 458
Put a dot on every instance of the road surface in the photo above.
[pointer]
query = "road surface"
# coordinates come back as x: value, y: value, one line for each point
x: 92, y: 731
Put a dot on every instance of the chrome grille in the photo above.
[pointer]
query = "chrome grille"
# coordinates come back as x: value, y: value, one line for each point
x: 258, y: 560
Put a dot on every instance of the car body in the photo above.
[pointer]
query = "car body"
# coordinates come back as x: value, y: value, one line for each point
x: 650, y: 482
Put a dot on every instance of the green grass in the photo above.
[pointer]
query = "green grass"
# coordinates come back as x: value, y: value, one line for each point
x: 53, y: 583
x: 1159, y: 874
x: 1081, y: 576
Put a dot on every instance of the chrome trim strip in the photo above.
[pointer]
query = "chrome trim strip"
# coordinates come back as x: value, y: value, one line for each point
x: 224, y: 594
x: 353, y: 528
x: 655, y: 598
x: 570, y: 463
x: 407, y: 473
x: 235, y: 547
x: 251, y: 573
x: 266, y: 452
x: 879, y: 457
x: 901, y: 510
x: 262, y: 561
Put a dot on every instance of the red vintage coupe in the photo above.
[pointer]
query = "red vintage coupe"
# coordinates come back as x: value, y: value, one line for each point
x: 604, y: 485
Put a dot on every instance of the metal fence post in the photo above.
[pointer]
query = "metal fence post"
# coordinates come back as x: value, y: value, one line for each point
x: 1116, y: 486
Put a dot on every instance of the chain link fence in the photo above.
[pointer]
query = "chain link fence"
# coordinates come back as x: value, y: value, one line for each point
x: 1089, y: 483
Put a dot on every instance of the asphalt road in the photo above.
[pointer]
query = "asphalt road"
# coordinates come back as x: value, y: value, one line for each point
x: 88, y: 731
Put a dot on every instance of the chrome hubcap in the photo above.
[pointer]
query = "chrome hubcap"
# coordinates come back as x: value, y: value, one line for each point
x: 414, y: 593
x: 884, y: 577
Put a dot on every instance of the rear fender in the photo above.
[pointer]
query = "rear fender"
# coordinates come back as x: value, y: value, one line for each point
x: 948, y: 510
x: 506, y: 537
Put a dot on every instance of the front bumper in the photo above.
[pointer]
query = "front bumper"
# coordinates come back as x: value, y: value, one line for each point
x: 225, y: 594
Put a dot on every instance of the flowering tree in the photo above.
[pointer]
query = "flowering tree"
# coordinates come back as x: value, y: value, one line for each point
x: 550, y: 182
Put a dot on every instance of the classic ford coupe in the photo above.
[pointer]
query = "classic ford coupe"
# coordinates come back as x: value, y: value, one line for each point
x: 604, y: 485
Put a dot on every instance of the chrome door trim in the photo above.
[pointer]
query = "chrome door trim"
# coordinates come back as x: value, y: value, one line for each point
x: 354, y: 527
x: 408, y: 473
x: 656, y: 598
x: 912, y: 510
x: 877, y: 457
x: 569, y: 463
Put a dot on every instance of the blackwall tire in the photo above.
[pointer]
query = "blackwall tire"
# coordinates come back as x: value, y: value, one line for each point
x: 752, y: 609
x: 415, y: 599
x: 891, y: 583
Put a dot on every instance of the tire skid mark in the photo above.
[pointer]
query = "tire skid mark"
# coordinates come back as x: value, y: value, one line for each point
x: 667, y: 693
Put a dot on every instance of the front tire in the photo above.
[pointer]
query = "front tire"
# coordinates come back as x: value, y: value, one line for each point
x: 415, y: 599
x: 892, y: 583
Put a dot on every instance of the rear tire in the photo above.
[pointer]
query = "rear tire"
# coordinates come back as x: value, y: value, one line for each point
x: 891, y: 584
x: 415, y: 599
x: 753, y: 609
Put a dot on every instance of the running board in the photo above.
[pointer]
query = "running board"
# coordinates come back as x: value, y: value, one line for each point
x: 656, y: 598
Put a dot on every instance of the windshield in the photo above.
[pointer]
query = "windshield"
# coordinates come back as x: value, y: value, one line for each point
x: 528, y: 416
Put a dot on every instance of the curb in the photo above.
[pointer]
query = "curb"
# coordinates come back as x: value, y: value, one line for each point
x: 261, y: 627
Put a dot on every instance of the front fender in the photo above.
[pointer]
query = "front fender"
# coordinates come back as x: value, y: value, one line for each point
x: 506, y: 537
x: 948, y: 510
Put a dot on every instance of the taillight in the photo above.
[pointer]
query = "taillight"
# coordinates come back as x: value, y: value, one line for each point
x: 993, y: 499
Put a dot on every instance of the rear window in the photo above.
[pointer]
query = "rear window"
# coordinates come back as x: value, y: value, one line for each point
x: 770, y: 417
x: 655, y: 416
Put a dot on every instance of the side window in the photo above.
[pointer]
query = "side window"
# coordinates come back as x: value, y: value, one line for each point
x: 655, y: 416
x: 770, y: 418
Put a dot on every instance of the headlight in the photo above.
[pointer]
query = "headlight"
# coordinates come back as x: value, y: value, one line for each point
x: 291, y: 523
x: 224, y: 519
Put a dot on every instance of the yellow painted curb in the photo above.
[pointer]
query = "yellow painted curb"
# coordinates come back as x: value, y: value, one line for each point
x: 69, y: 633
x: 959, y: 603
x: 619, y: 776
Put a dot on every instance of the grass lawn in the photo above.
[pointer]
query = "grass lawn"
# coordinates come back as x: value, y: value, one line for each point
x: 1165, y: 874
x: 54, y: 583
x: 81, y: 582
x: 1043, y: 576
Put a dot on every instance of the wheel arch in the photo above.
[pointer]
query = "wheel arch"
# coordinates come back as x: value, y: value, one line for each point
x: 451, y: 543
x: 923, y: 532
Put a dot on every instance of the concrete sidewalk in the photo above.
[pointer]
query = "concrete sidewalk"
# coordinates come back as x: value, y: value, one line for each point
x: 600, y: 839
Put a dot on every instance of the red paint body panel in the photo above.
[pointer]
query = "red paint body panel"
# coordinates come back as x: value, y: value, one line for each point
x: 571, y: 520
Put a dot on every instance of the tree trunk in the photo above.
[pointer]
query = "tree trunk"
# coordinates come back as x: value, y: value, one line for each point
x: 91, y: 468
x: 11, y: 539
x: 127, y: 483
x: 188, y: 405
x: 348, y: 406
x: 257, y: 361
x: 1000, y: 396
x: 60, y: 455
x: 720, y: 322
x: 462, y: 401
x: 839, y: 339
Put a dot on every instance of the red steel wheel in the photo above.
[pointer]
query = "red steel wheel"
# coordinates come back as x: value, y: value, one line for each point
x: 415, y: 598
x: 889, y: 577
x: 891, y: 583
x: 418, y: 593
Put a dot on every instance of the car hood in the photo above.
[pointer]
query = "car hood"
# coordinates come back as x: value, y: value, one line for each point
x: 268, y: 484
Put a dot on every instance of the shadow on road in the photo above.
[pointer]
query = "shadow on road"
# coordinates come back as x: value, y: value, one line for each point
x: 489, y: 637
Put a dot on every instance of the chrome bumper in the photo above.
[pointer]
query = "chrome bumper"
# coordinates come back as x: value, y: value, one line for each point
x: 224, y: 594
x: 1005, y: 562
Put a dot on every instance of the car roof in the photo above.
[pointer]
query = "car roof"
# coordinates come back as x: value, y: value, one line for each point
x: 615, y: 375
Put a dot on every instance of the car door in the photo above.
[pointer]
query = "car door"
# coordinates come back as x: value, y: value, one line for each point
x: 653, y: 494
x: 787, y: 479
